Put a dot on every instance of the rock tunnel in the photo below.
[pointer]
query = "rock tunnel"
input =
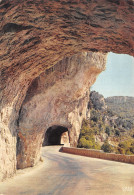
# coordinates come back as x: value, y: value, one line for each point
x: 56, y: 97
x: 54, y: 136
x: 51, y: 52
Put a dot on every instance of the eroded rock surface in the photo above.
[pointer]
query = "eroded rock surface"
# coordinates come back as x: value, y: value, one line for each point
x: 58, y: 97
x: 97, y: 101
x: 37, y: 34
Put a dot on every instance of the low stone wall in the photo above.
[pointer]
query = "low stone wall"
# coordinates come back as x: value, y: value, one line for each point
x: 99, y: 154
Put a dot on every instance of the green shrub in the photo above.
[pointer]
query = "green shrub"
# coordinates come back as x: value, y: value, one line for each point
x: 83, y: 143
x: 120, y: 150
x: 128, y: 152
x: 132, y: 149
x: 127, y: 147
x: 86, y: 139
x: 106, y: 147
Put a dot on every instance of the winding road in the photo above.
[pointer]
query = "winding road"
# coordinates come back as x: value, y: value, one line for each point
x: 67, y: 174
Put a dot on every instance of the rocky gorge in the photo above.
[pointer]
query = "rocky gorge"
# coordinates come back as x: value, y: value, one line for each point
x: 51, y: 53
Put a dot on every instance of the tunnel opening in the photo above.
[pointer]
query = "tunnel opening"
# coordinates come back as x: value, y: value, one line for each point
x: 56, y: 135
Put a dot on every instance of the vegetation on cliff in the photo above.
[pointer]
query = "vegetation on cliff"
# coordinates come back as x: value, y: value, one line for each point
x: 105, y: 130
x: 123, y: 106
x: 87, y: 139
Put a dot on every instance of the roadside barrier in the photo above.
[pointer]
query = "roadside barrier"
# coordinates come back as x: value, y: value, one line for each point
x: 99, y: 154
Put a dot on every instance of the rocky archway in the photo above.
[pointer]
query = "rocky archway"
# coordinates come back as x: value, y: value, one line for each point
x: 55, y: 135
x: 37, y: 34
x: 58, y: 96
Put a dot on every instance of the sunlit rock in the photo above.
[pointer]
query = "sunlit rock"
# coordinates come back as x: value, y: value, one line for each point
x: 34, y: 36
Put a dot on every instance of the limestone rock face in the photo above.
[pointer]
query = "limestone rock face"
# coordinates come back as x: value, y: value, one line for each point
x: 97, y: 101
x: 58, y: 97
x: 37, y: 34
x: 65, y: 139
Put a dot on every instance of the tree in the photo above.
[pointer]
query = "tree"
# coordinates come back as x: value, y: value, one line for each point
x: 86, y: 139
x: 106, y: 147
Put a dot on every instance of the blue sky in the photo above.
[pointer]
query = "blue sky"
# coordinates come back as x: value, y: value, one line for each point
x: 118, y: 78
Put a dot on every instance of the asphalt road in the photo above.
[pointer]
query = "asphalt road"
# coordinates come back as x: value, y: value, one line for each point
x: 66, y: 174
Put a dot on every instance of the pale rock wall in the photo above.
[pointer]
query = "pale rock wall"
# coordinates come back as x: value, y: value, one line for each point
x: 58, y: 97
x: 65, y: 139
x: 8, y: 134
x: 36, y: 34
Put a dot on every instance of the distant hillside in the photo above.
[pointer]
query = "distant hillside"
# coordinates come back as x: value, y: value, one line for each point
x: 106, y: 128
x: 122, y: 106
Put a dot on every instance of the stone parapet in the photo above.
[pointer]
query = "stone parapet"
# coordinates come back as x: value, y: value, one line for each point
x: 99, y: 154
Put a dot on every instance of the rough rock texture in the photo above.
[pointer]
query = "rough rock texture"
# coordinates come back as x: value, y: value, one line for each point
x: 113, y: 119
x: 36, y: 34
x: 58, y: 97
x: 65, y: 139
x: 111, y: 126
x: 122, y: 105
x: 97, y: 101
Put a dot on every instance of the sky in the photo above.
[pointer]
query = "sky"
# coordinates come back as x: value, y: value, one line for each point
x: 118, y: 78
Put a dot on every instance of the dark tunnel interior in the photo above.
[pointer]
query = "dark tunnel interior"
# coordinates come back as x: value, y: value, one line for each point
x: 53, y: 135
